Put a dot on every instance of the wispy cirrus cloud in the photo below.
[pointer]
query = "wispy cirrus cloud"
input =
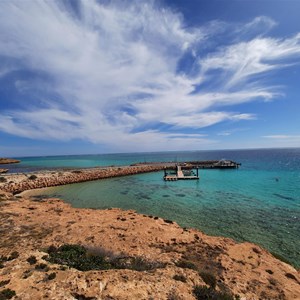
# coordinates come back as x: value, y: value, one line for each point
x: 112, y: 73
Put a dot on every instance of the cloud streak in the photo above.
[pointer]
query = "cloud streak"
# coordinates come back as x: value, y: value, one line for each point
x: 112, y: 73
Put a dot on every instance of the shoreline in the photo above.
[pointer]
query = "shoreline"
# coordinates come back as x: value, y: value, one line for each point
x: 30, y: 226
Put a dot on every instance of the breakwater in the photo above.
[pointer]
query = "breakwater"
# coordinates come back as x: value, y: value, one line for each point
x: 48, y: 179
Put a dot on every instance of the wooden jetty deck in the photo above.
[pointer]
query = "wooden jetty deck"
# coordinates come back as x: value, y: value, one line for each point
x: 180, y: 175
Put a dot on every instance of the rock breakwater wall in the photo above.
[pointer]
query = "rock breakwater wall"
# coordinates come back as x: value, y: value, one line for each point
x: 43, y: 180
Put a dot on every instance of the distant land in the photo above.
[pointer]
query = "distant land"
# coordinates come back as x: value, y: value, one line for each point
x: 8, y: 161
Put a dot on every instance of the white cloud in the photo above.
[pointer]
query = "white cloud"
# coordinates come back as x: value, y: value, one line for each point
x: 113, y: 70
x: 240, y: 61
x: 282, y: 136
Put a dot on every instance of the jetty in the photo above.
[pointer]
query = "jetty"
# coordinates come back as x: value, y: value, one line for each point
x: 213, y: 164
x: 180, y: 174
x: 186, y: 170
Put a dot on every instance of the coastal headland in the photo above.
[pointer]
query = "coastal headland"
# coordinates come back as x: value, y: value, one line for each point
x: 50, y: 250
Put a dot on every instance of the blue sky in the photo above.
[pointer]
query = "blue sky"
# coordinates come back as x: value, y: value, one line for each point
x: 128, y: 76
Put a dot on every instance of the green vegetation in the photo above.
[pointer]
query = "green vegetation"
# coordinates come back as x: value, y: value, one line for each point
x: 51, y: 276
x: 32, y: 260
x: 78, y: 257
x: 202, y: 292
x: 209, y: 279
x: 4, y: 282
x: 186, y: 264
x: 32, y: 177
x: 173, y: 296
x: 180, y: 277
x: 7, y: 294
x: 42, y: 267
x: 12, y: 256
x: 3, y: 179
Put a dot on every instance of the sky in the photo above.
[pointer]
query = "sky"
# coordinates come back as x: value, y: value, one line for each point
x: 87, y: 77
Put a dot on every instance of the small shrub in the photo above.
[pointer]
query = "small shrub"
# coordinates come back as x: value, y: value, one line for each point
x: 27, y: 274
x: 209, y: 279
x: 13, y: 255
x: 3, y: 179
x: 204, y: 293
x: 7, y: 294
x: 4, y: 282
x: 42, y: 267
x: 75, y: 256
x: 80, y: 258
x: 32, y: 260
x: 32, y: 177
x: 181, y: 278
x: 173, y: 295
x: 137, y: 264
x: 82, y: 297
x: 76, y: 171
x: 51, y: 276
x: 185, y: 264
x: 50, y: 250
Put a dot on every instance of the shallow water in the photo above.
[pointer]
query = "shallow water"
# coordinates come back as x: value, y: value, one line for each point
x: 260, y: 202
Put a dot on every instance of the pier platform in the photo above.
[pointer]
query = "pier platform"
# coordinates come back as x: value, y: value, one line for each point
x: 181, y: 175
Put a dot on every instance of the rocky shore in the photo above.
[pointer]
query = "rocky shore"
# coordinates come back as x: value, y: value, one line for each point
x: 17, y: 183
x: 130, y: 256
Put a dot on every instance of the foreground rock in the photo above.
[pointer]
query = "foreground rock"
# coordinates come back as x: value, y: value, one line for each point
x: 3, y: 171
x: 8, y: 161
x: 178, y: 259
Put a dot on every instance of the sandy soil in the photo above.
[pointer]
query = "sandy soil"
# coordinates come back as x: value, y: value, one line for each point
x: 29, y: 226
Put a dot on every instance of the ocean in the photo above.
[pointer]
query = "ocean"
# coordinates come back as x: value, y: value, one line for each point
x: 259, y: 202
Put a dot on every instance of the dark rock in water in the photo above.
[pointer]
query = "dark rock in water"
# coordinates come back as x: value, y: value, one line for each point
x: 124, y: 192
x: 284, y: 197
x: 166, y: 196
x: 143, y: 196
x: 180, y: 195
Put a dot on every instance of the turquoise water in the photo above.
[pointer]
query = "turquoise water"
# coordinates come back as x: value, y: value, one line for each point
x: 260, y: 202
